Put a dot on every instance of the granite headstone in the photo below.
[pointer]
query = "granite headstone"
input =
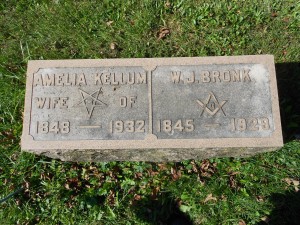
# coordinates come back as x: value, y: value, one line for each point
x: 159, y: 109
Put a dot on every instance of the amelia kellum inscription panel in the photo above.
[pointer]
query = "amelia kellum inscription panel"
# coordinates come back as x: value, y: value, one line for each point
x: 157, y: 109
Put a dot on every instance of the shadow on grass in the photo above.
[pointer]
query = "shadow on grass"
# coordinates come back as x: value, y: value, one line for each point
x: 161, y: 211
x: 288, y: 81
x: 287, y: 209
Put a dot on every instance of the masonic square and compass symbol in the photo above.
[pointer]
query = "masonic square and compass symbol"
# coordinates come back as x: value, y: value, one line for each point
x: 91, y: 101
x: 211, y: 105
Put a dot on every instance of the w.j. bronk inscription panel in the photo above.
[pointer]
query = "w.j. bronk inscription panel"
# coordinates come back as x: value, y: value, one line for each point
x: 212, y: 101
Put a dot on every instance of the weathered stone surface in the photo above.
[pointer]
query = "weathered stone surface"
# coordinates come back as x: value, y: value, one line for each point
x: 163, y: 109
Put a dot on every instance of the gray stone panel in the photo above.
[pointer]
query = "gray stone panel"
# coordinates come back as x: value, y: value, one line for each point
x: 89, y: 103
x: 219, y: 101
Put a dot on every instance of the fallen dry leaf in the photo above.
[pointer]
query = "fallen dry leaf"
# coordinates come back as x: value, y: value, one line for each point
x: 18, y: 202
x: 138, y: 175
x: 194, y: 168
x: 176, y: 174
x: 152, y: 173
x: 223, y: 197
x: 286, y: 19
x: 67, y: 186
x: 205, y: 165
x: 287, y: 180
x: 265, y: 219
x: 242, y: 222
x: 207, y: 169
x: 154, y: 193
x: 173, y: 171
x: 137, y: 197
x: 7, y: 135
x: 111, y: 198
x: 291, y: 181
x: 233, y: 173
x: 113, y: 46
x: 109, y: 23
x: 26, y: 184
x: 168, y: 4
x: 163, y: 32
x: 232, y: 182
x: 259, y: 198
x: 162, y: 166
x: 295, y: 182
x: 210, y: 198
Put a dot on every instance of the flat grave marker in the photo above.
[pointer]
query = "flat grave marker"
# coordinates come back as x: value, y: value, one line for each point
x: 159, y: 109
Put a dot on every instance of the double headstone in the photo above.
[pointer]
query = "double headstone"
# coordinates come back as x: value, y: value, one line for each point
x: 160, y: 109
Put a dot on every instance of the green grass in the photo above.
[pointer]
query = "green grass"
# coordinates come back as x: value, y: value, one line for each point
x: 215, y: 191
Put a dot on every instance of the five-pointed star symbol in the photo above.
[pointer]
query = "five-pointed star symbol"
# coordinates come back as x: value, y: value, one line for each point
x: 214, y: 106
x: 91, y: 99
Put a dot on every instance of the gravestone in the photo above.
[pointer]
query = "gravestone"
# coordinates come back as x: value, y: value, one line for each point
x: 160, y: 109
